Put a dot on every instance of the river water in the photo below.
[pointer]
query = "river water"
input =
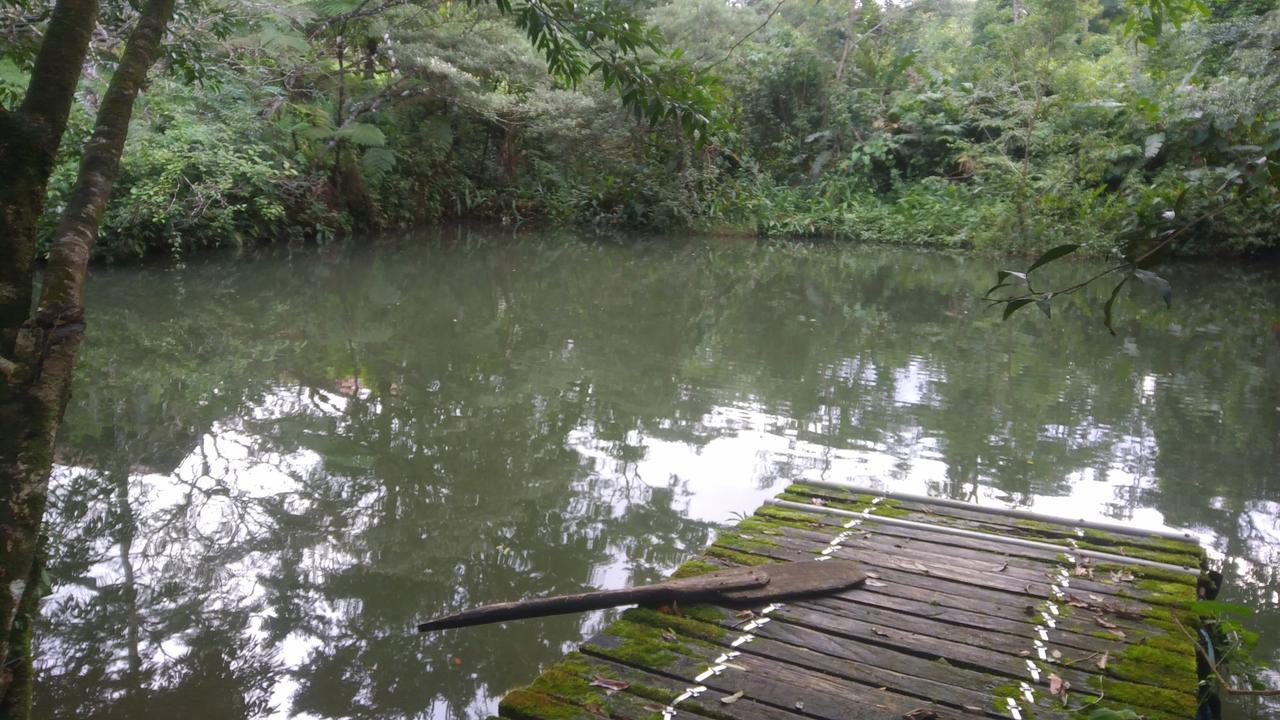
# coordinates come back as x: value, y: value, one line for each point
x: 274, y: 466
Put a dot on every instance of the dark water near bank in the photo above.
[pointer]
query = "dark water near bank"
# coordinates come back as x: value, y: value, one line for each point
x: 273, y: 469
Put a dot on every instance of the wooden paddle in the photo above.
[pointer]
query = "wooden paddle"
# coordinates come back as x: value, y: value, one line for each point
x: 737, y: 586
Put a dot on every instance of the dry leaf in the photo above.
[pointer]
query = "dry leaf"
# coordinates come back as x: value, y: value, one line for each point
x: 1059, y: 687
x: 670, y: 636
x: 594, y: 709
x: 745, y: 614
x: 455, y: 660
x: 1118, y: 633
x: 876, y: 583
x: 1122, y: 576
x: 610, y: 685
x: 730, y: 699
x: 871, y: 574
x: 1102, y: 662
x: 818, y: 501
x: 1056, y: 654
x: 920, y: 714
x: 879, y: 632
x: 1025, y: 653
x: 920, y: 567
x: 1105, y: 623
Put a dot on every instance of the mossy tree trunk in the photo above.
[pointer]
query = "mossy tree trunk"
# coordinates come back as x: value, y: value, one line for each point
x: 36, y: 364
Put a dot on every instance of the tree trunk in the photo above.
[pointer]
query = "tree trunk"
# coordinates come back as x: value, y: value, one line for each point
x: 855, y: 10
x: 29, y: 138
x: 38, y: 379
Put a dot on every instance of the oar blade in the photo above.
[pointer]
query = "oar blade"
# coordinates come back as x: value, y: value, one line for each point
x: 799, y: 579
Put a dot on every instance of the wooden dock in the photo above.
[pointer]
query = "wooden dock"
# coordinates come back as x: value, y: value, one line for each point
x: 966, y: 612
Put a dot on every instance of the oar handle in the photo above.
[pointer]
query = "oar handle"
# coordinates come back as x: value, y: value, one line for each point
x: 695, y: 588
x: 540, y: 607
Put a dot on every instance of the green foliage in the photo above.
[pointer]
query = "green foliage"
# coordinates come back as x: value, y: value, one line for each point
x: 944, y: 123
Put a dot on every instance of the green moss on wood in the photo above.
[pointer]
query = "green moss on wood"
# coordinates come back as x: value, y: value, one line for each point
x: 738, y: 558
x: 683, y: 625
x: 694, y: 568
x: 1143, y: 698
x: 736, y: 541
x: 530, y: 705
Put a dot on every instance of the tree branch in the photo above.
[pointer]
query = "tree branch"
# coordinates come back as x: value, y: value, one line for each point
x: 1213, y: 667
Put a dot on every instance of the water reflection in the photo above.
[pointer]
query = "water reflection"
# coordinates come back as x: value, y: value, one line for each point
x: 273, y: 469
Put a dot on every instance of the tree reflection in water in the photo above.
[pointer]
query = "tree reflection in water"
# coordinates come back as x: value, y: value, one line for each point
x: 273, y: 469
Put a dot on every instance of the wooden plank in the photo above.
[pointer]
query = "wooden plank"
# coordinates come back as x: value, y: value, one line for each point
x: 990, y: 522
x: 782, y: 685
x: 994, y: 544
x: 979, y: 561
x: 791, y: 549
x: 646, y: 693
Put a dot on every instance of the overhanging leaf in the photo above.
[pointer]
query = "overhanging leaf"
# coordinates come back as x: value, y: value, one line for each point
x: 1053, y: 254
x: 1160, y: 284
x: 1111, y: 302
x: 1014, y: 306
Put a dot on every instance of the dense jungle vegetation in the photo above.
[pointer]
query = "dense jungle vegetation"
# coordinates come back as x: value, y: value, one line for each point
x: 991, y: 125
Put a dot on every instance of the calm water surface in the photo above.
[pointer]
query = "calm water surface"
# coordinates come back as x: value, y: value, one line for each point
x: 272, y: 470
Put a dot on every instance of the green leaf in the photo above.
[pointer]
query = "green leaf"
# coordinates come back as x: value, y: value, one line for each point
x: 1111, y: 302
x: 1014, y: 306
x: 1053, y: 254
x: 363, y: 134
x: 1153, y: 145
x: 1045, y: 303
x: 377, y: 162
x: 1160, y: 284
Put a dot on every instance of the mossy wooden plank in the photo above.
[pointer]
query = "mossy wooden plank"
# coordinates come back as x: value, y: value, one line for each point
x: 785, y: 686
x: 1178, y: 552
x: 1107, y: 579
x: 776, y: 518
x: 861, y: 663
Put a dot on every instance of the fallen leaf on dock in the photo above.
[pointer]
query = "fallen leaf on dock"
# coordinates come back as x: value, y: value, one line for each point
x: 1056, y: 654
x: 871, y: 574
x: 799, y: 704
x: 1105, y: 622
x: 974, y: 709
x: 1102, y: 662
x: 1122, y: 576
x: 879, y: 632
x: 731, y: 699
x: 1059, y: 687
x: 670, y: 636
x: 457, y: 661
x: 818, y: 501
x: 745, y: 614
x: 1025, y: 653
x: 876, y: 583
x: 920, y: 714
x: 920, y: 567
x: 610, y: 685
